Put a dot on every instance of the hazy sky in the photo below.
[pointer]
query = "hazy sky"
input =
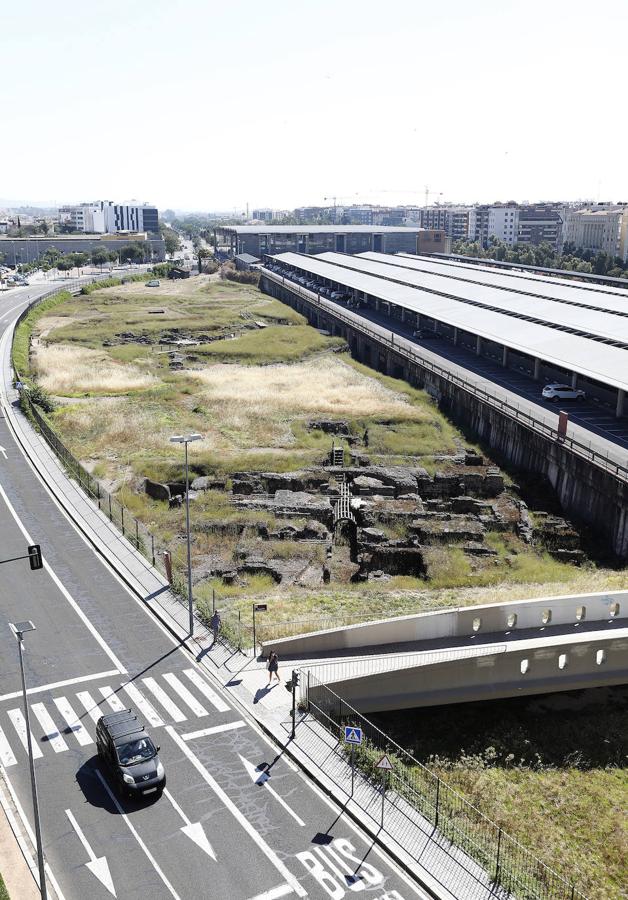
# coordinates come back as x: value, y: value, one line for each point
x: 200, y: 104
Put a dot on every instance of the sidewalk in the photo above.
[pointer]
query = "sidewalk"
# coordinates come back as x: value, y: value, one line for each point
x: 446, y: 871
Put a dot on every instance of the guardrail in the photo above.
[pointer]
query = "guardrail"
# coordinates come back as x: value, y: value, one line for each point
x: 412, y: 794
x: 403, y: 349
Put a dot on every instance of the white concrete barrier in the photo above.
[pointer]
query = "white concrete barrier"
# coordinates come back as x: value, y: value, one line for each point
x: 463, y: 622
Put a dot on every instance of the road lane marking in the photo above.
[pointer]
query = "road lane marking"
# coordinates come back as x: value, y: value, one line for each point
x: 19, y: 724
x: 77, y: 609
x: 133, y: 831
x: 51, y: 732
x: 261, y: 777
x: 60, y: 684
x: 114, y: 702
x: 6, y: 753
x: 228, y: 726
x: 188, y: 698
x: 270, y: 854
x: 148, y: 711
x: 81, y: 734
x: 31, y: 835
x: 193, y: 830
x: 281, y: 890
x: 169, y: 705
x: 205, y: 689
x: 98, y: 866
x: 89, y: 704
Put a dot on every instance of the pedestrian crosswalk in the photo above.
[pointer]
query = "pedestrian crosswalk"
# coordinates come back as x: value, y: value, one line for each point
x: 65, y: 722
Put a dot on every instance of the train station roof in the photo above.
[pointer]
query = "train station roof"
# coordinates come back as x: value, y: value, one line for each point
x: 321, y: 229
x: 508, y: 324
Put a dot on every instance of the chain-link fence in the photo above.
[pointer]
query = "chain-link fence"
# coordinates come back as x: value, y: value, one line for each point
x: 413, y: 794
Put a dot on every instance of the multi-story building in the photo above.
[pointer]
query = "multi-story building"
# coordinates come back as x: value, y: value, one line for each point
x: 541, y: 222
x: 105, y: 217
x: 514, y: 223
x: 503, y: 223
x: 602, y: 228
x: 478, y: 224
x: 453, y: 220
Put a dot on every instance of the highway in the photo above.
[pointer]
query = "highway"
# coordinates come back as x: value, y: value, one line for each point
x: 237, y: 820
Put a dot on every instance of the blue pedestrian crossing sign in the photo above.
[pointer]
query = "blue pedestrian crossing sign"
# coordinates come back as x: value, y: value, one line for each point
x: 353, y: 735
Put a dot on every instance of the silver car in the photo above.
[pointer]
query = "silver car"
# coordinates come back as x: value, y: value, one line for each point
x: 556, y: 392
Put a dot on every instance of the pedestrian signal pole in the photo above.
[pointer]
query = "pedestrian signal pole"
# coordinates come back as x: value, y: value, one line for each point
x: 295, y: 684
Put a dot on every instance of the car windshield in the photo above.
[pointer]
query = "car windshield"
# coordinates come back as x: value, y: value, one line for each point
x: 136, y: 751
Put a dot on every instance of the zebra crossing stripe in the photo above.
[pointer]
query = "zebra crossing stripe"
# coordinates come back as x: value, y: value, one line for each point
x: 80, y: 733
x: 187, y: 697
x: 51, y: 732
x: 205, y: 689
x: 143, y: 705
x: 114, y: 702
x: 18, y: 722
x: 169, y: 705
x: 6, y: 754
x: 90, y: 706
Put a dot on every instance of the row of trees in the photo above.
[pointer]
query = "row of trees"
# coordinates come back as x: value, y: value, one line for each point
x: 136, y: 252
x: 572, y: 258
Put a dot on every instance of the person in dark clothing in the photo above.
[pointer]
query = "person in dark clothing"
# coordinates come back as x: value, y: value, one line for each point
x: 215, y: 624
x: 365, y: 437
x: 273, y: 667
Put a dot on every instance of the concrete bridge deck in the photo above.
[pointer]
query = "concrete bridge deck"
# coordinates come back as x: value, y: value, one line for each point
x: 469, y: 654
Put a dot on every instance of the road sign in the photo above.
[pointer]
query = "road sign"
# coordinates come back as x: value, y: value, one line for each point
x: 34, y: 556
x: 385, y: 764
x: 260, y: 607
x: 353, y: 735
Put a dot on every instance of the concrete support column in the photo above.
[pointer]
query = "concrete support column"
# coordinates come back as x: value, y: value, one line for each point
x: 574, y: 380
x: 505, y: 357
x: 403, y: 314
x: 455, y: 335
x: 478, y: 345
x: 619, y: 409
x: 537, y: 369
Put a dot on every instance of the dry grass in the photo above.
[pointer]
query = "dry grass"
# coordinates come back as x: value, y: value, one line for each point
x: 324, y: 386
x: 67, y: 370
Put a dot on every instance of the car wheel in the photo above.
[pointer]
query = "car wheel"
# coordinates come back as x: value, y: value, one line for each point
x: 580, y: 399
x: 555, y: 399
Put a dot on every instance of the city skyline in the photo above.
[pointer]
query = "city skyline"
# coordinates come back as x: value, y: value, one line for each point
x: 290, y: 105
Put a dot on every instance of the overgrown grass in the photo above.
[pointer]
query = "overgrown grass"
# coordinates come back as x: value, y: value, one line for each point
x: 4, y: 894
x: 273, y: 344
x: 21, y: 340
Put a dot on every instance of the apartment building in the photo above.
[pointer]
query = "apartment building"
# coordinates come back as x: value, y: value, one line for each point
x: 453, y: 220
x: 602, y: 228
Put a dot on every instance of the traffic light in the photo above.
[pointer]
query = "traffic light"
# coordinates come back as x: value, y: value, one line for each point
x: 34, y: 557
x: 295, y: 678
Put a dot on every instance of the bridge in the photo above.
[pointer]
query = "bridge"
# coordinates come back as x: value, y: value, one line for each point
x: 470, y: 653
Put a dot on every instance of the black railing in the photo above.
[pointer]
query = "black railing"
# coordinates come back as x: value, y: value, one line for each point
x: 415, y: 794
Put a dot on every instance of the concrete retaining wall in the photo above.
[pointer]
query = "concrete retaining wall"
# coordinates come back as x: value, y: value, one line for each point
x: 586, y: 492
x: 463, y: 622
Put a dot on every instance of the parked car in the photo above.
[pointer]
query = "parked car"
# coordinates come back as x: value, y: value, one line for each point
x: 154, y: 282
x: 129, y: 755
x: 555, y: 392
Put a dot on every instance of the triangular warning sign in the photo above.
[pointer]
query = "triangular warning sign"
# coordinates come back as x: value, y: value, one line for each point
x: 384, y: 763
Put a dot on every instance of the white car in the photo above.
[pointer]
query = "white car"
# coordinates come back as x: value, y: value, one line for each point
x: 556, y: 392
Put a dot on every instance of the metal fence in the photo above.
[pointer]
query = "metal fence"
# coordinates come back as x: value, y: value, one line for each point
x: 506, y: 407
x: 413, y: 791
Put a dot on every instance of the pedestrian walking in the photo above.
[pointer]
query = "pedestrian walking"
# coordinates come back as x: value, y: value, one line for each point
x: 273, y: 667
x: 215, y: 624
x: 365, y: 437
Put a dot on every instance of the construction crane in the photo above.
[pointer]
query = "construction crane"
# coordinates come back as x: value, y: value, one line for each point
x: 348, y: 197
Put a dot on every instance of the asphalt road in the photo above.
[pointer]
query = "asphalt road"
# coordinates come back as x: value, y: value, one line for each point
x: 237, y: 820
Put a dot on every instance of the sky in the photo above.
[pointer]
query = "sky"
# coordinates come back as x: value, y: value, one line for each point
x: 206, y: 105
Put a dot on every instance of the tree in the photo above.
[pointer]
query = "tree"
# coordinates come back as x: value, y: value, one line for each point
x: 78, y: 259
x: 132, y: 252
x: 100, y: 256
x: 171, y: 240
x: 203, y: 253
x: 65, y: 263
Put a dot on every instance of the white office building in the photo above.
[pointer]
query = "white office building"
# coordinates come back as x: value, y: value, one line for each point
x: 503, y: 223
x: 106, y: 217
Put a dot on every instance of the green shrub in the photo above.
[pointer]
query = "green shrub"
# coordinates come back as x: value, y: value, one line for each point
x: 41, y: 398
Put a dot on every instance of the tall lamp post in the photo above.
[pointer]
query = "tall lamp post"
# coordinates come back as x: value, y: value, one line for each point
x: 187, y: 439
x: 20, y: 629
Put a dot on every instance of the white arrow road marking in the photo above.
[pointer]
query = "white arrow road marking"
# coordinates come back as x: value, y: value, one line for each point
x: 97, y: 865
x: 4, y: 452
x: 261, y: 777
x: 193, y: 830
x: 139, y: 840
x: 238, y: 815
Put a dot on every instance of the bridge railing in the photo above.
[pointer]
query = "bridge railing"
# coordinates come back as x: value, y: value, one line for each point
x: 415, y: 799
x: 401, y: 347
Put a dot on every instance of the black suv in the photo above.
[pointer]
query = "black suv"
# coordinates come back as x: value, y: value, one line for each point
x: 130, y: 755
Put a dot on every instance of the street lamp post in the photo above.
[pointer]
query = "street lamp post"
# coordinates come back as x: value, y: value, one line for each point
x: 20, y: 629
x: 187, y: 439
